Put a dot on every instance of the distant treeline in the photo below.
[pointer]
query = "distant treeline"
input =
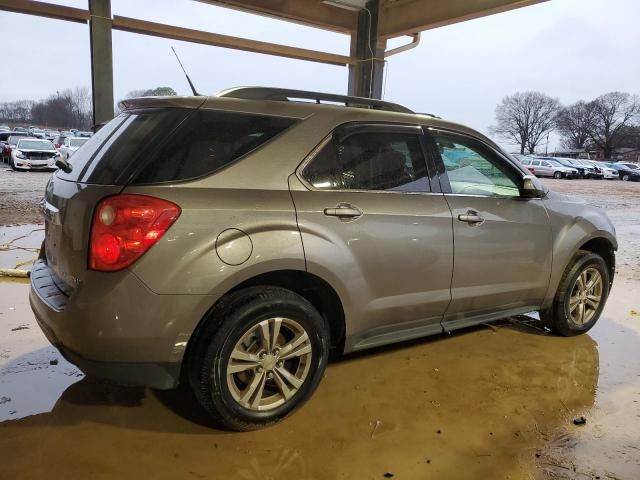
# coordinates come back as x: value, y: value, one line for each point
x: 65, y: 109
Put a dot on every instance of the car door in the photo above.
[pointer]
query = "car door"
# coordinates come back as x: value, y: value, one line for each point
x: 502, y: 241
x: 373, y: 228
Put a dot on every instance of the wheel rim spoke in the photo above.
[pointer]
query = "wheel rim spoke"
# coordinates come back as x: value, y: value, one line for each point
x: 234, y: 367
x: 282, y: 386
x: 275, y: 331
x: 265, y: 338
x: 298, y: 346
x: 258, y: 394
x: 293, y: 381
x: 253, y: 386
x: 238, y: 354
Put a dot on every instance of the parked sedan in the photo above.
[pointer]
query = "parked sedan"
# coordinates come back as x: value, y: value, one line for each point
x: 71, y: 145
x: 548, y: 167
x: 8, y: 141
x: 632, y: 166
x: 34, y: 154
x: 625, y: 173
x: 608, y: 172
x: 590, y: 170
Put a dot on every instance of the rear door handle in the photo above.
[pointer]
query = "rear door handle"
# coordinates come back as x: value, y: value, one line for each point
x: 343, y: 212
x: 471, y: 217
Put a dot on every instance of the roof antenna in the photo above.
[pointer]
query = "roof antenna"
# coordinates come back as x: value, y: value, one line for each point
x: 193, y: 89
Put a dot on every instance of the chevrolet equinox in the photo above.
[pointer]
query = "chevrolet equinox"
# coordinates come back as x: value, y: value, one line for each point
x: 229, y: 243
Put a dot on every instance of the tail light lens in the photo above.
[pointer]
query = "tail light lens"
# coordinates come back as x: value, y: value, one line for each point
x: 124, y: 227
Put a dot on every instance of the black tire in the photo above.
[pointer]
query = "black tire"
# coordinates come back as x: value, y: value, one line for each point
x: 625, y: 177
x: 557, y: 175
x: 558, y: 318
x: 224, y: 326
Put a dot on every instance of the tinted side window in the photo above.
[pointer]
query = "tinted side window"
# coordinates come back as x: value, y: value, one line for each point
x: 474, y: 169
x: 370, y: 161
x: 209, y: 140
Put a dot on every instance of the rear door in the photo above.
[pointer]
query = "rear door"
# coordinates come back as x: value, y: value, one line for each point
x: 373, y: 227
x: 502, y: 242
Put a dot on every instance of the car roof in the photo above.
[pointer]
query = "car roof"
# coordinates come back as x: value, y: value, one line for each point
x: 283, y: 102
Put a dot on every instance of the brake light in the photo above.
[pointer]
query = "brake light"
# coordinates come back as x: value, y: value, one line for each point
x: 124, y: 227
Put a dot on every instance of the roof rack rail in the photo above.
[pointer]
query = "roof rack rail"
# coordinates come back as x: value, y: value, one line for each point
x: 285, y: 95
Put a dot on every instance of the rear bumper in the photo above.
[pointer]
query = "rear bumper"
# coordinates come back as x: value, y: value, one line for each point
x: 162, y: 376
x: 114, y: 328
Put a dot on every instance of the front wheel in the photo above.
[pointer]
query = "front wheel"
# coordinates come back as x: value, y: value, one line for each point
x: 260, y: 355
x: 557, y: 175
x: 625, y: 178
x: 581, y: 296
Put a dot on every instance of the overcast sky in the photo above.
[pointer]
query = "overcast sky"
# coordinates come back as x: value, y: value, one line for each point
x: 570, y: 49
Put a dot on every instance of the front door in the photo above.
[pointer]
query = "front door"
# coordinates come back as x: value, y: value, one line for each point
x: 372, y: 228
x: 503, y: 242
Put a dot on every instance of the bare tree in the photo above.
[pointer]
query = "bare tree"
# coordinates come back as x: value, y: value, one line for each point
x: 525, y: 118
x: 612, y: 113
x: 573, y: 123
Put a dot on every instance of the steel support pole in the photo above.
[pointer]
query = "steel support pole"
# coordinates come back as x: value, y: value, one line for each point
x: 101, y: 60
x: 366, y: 77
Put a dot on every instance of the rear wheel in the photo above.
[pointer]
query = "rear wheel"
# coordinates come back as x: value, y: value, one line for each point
x: 581, y: 296
x: 260, y: 355
x: 557, y: 175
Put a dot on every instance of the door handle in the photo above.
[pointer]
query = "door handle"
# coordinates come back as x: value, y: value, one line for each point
x: 471, y: 217
x: 343, y: 212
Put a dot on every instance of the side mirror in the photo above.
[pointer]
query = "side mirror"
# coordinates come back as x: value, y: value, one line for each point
x: 531, y: 187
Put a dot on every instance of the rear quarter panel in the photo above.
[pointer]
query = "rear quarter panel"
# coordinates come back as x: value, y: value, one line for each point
x: 188, y: 259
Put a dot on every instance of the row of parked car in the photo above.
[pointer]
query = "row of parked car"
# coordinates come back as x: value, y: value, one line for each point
x: 47, y: 134
x: 23, y: 151
x: 558, y: 167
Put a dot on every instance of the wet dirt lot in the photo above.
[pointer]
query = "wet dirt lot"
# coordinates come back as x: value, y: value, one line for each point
x: 483, y: 403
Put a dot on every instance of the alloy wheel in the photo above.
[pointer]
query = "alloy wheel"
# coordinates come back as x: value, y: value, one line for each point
x: 269, y: 364
x: 586, y: 296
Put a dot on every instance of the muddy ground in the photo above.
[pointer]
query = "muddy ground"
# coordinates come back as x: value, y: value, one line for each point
x: 490, y: 402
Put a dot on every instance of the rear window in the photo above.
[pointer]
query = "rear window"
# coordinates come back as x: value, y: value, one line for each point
x: 108, y: 157
x: 163, y: 145
x: 208, y: 141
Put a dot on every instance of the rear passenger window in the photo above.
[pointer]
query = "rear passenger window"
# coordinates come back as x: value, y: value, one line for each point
x: 209, y: 140
x: 370, y: 161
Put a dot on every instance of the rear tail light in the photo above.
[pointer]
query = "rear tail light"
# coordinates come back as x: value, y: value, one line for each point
x: 124, y: 227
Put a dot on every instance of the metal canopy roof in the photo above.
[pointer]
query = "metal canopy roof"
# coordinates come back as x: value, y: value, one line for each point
x: 397, y: 17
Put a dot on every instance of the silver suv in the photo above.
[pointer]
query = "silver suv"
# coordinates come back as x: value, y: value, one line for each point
x: 231, y: 242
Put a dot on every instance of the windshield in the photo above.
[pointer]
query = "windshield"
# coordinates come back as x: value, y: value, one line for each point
x: 35, y: 145
x: 78, y: 142
x: 13, y: 140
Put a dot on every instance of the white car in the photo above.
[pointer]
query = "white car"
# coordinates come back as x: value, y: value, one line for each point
x: 34, y: 154
x: 71, y: 145
x: 609, y: 173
